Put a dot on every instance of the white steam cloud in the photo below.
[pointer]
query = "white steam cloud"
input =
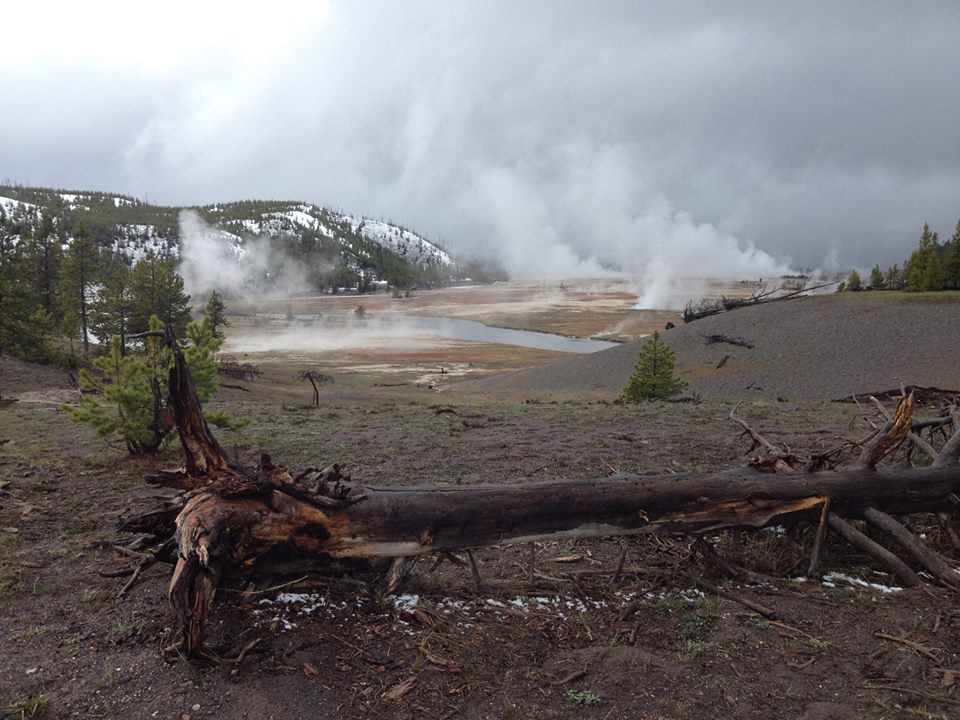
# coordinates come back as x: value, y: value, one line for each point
x: 212, y: 259
x: 595, y: 218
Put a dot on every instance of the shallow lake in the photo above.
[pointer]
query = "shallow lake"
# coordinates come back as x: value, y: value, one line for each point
x: 341, y: 331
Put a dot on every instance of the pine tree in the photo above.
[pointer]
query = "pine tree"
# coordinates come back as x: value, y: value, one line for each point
x: 951, y: 266
x: 877, y: 280
x: 118, y: 401
x: 893, y: 279
x: 78, y: 273
x: 200, y: 354
x: 26, y: 326
x: 14, y: 295
x: 216, y: 311
x: 652, y: 376
x: 127, y: 398
x: 157, y: 289
x: 853, y: 282
x: 111, y: 312
x: 44, y: 255
x: 923, y: 271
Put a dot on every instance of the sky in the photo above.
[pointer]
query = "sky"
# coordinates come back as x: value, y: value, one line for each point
x: 734, y: 138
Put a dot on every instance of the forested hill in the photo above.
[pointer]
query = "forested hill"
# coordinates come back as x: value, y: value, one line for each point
x: 337, y: 249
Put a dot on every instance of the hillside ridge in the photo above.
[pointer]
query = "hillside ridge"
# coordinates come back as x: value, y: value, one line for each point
x: 339, y: 249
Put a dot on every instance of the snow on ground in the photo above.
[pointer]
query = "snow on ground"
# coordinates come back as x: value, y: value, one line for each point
x: 135, y: 241
x: 283, y: 611
x: 831, y: 580
x: 9, y: 205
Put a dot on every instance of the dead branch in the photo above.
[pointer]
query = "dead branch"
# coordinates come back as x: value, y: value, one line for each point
x: 926, y: 557
x: 738, y: 341
x: 905, y: 576
x: 891, y: 435
x: 762, y: 610
x: 919, y: 442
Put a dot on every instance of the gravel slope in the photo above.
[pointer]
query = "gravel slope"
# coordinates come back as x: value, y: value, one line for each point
x: 823, y: 347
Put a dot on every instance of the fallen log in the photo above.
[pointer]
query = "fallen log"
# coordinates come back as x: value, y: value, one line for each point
x: 714, y: 306
x: 228, y: 518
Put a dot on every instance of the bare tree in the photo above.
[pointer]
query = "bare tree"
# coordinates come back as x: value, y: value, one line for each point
x: 316, y: 380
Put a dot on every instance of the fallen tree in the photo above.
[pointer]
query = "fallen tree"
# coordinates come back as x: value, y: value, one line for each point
x: 227, y: 518
x: 715, y: 306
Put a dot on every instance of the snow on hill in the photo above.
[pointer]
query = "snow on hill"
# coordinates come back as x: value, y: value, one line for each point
x: 373, y: 250
x: 401, y: 242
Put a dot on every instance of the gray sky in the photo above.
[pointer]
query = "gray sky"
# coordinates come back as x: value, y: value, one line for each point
x: 701, y: 137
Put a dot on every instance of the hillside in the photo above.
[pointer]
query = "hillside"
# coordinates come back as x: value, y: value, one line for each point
x: 337, y: 249
x: 823, y: 347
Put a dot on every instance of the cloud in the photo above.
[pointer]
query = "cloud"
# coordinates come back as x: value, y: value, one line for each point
x: 696, y: 137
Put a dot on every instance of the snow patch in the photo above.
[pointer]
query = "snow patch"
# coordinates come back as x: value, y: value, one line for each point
x: 830, y: 580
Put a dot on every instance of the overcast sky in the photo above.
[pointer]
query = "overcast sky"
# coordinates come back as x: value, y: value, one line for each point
x: 740, y: 136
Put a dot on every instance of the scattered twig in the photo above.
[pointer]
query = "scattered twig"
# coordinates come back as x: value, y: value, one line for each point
x: 768, y: 613
x: 910, y: 691
x: 273, y: 588
x: 473, y: 569
x: 620, y: 561
x: 629, y: 609
x: 575, y: 675
x: 915, y: 646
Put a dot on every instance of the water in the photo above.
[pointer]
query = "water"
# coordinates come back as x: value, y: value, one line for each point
x: 399, y: 327
x: 472, y: 330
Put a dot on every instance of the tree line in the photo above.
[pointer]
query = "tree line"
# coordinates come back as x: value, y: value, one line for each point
x: 59, y: 290
x: 932, y: 266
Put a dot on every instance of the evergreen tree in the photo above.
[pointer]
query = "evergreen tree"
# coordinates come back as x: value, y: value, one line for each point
x: 877, y: 280
x: 127, y: 400
x: 44, y: 255
x: 924, y: 271
x: 853, y: 282
x: 157, y: 289
x: 200, y: 354
x: 111, y: 311
x: 951, y: 266
x: 12, y: 299
x: 893, y: 279
x: 77, y: 279
x: 652, y: 376
x: 26, y: 328
x: 119, y: 401
x: 216, y: 311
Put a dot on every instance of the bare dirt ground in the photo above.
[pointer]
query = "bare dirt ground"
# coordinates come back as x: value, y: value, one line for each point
x: 817, y: 348
x: 573, y: 642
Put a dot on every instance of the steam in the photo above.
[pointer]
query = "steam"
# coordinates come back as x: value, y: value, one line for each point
x: 327, y: 335
x: 213, y: 259
x: 596, y: 217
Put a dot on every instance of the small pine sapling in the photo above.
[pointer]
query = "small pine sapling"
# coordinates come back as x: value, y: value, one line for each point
x: 653, y: 376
